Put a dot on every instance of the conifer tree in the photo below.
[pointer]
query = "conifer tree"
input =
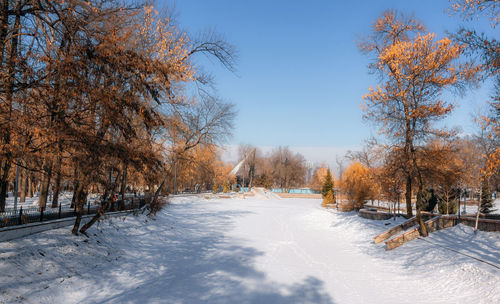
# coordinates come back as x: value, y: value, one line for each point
x: 486, y: 202
x: 327, y: 184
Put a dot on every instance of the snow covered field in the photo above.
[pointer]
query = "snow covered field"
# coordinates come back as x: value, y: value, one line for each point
x: 247, y: 251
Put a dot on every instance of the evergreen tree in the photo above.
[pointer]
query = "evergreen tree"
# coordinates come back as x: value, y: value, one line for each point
x: 327, y: 184
x: 486, y: 202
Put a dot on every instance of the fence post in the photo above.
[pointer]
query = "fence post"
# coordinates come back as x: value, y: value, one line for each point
x: 20, y: 215
x: 41, y: 214
x: 88, y: 207
x: 59, y: 214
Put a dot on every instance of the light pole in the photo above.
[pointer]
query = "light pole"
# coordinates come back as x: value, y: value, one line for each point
x: 337, y: 197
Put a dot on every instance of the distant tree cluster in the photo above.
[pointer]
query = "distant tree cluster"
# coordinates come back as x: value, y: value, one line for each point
x: 98, y: 96
x: 281, y: 168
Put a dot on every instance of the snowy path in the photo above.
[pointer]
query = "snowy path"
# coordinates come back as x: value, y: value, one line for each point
x: 247, y: 251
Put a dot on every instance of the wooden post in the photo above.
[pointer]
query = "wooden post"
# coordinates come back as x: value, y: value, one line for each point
x: 20, y: 215
x: 478, y: 207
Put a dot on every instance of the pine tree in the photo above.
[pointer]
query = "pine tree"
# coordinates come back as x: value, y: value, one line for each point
x: 327, y: 184
x: 486, y: 202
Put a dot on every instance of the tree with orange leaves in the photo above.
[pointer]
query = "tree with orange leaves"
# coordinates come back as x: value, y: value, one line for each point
x: 318, y: 178
x: 415, y: 68
x: 488, y: 50
x: 357, y: 184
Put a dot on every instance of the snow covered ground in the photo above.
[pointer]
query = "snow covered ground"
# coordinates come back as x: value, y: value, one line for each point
x: 247, y: 251
x: 64, y: 200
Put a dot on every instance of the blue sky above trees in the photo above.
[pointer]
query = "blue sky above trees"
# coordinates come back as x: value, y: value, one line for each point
x: 300, y: 76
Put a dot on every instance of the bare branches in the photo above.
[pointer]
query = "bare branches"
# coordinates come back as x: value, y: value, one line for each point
x: 215, y: 46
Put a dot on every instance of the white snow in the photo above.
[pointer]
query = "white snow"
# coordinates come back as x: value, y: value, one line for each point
x: 470, y: 208
x: 247, y: 251
x: 64, y: 200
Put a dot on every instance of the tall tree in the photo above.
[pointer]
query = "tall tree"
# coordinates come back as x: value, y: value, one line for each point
x: 415, y: 68
x: 486, y: 50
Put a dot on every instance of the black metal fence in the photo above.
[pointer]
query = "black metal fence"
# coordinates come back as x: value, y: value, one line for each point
x: 23, y: 215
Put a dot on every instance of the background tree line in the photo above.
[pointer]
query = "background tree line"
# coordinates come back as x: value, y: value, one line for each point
x: 280, y: 168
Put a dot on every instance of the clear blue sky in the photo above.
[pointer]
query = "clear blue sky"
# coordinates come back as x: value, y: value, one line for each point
x: 300, y: 76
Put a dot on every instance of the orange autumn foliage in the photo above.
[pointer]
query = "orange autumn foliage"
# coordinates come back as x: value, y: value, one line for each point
x: 357, y: 184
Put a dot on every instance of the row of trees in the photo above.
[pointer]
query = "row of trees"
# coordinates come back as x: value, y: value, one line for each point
x: 449, y: 169
x: 101, y: 94
x: 281, y: 168
x: 415, y: 68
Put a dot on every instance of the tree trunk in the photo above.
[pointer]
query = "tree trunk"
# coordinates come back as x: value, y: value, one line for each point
x: 22, y: 183
x: 409, y: 210
x: 9, y: 86
x: 57, y: 185
x: 30, y: 185
x: 80, y: 200
x: 75, y: 187
x: 96, y: 217
x: 423, y: 228
x: 124, y: 183
x: 4, y: 183
x: 45, y: 183
x: 107, y: 200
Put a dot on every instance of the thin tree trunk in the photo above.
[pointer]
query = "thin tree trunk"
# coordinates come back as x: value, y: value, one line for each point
x: 409, y: 210
x: 30, y: 185
x: 96, y: 217
x: 124, y: 183
x: 22, y: 184
x: 57, y: 185
x: 4, y: 184
x: 45, y: 183
x: 75, y: 187
x: 81, y: 199
x: 104, y: 207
